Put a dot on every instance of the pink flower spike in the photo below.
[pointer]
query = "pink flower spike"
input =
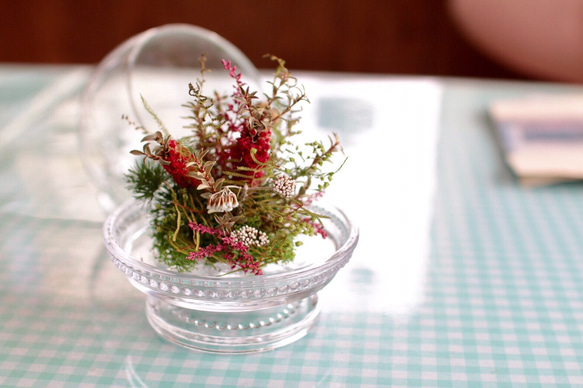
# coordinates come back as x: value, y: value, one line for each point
x: 232, y: 71
x: 204, y: 229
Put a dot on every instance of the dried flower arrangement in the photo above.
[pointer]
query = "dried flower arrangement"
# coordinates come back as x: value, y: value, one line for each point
x: 236, y: 190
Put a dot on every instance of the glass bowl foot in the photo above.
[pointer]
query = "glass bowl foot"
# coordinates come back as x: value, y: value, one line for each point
x: 232, y: 332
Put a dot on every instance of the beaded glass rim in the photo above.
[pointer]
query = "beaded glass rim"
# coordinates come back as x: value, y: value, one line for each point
x: 126, y: 218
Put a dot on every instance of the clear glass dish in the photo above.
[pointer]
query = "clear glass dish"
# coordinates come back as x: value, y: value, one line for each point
x: 229, y: 313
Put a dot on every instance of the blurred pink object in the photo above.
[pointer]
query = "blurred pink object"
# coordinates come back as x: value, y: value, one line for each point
x: 540, y: 38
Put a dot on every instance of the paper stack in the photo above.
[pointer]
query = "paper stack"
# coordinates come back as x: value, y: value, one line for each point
x: 542, y: 137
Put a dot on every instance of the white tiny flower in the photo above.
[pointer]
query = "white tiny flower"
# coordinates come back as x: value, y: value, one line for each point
x: 284, y: 186
x: 250, y: 236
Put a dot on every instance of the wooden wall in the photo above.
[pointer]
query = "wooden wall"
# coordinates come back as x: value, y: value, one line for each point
x: 380, y: 36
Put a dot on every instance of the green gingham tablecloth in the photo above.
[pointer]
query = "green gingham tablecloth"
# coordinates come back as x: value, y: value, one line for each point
x: 462, y: 278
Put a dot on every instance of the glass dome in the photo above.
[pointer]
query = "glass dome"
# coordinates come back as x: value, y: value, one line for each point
x: 156, y: 65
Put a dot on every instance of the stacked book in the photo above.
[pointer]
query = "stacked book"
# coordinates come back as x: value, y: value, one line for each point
x: 541, y: 137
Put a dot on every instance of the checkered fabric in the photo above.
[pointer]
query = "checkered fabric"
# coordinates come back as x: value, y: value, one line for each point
x: 462, y: 278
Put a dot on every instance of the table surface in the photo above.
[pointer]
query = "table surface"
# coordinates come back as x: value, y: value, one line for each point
x: 461, y: 278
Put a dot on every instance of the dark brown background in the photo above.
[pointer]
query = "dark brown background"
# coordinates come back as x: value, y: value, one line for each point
x: 393, y: 36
